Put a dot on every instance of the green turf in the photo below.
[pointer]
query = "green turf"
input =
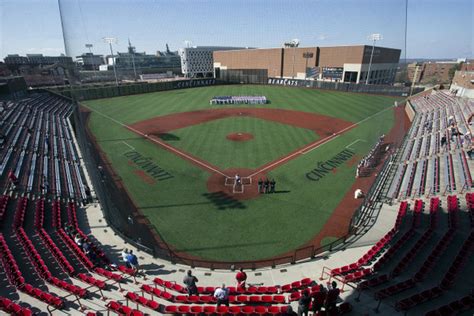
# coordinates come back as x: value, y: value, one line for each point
x: 271, y: 141
x: 190, y: 219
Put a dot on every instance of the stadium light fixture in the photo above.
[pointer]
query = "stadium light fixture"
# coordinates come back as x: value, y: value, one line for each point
x: 110, y: 41
x: 89, y: 46
x: 372, y: 37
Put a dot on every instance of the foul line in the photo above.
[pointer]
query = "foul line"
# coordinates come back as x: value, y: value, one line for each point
x: 356, y: 141
x: 171, y: 148
x: 303, y: 151
x: 128, y: 145
x: 318, y: 144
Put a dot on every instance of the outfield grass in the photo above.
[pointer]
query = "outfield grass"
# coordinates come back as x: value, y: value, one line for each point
x: 180, y: 208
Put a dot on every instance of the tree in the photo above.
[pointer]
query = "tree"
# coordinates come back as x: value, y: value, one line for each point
x: 453, y: 70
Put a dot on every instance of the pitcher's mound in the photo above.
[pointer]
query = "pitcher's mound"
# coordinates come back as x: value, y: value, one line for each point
x: 239, y: 137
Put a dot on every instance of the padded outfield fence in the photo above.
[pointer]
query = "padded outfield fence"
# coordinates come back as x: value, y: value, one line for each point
x: 126, y: 220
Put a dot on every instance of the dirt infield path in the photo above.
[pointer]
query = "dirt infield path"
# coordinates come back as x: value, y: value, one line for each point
x: 325, y: 126
x: 338, y: 223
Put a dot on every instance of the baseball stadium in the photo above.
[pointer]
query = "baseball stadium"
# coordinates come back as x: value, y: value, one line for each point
x: 177, y: 156
x: 329, y: 179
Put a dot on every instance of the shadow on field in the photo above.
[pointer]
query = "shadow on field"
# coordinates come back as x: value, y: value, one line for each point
x: 173, y: 205
x: 168, y: 137
x: 281, y: 191
x: 118, y: 139
x: 252, y: 244
x: 224, y: 201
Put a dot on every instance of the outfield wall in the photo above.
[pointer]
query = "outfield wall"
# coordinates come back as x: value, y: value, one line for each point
x: 345, y: 87
x: 108, y: 91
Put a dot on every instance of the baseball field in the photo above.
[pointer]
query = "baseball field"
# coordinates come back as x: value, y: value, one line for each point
x: 177, y: 156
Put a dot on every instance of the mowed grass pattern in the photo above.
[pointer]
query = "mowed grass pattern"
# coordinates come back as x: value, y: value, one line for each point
x: 222, y: 229
x: 271, y: 141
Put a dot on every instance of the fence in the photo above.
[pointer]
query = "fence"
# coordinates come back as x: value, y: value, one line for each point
x: 345, y: 86
x: 90, y: 92
x: 123, y: 216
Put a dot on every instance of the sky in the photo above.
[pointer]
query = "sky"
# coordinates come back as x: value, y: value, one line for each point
x: 436, y: 29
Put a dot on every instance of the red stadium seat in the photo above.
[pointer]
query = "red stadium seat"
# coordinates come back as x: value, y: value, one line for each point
x: 171, y: 309
x: 209, y: 310
x: 184, y: 309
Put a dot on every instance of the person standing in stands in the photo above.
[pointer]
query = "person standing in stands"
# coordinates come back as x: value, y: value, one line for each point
x: 303, y: 303
x: 222, y: 295
x: 332, y: 297
x: 13, y: 179
x: 319, y: 298
x: 133, y: 260
x: 190, y: 282
x: 78, y: 240
x: 241, y: 278
x: 443, y: 141
x: 125, y: 257
x: 289, y: 311
x: 260, y: 185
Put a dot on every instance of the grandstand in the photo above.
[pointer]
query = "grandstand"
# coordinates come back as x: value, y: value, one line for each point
x: 434, y: 158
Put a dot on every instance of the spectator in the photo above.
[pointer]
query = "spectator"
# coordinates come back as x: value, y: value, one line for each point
x: 71, y: 232
x: 87, y: 190
x: 133, y: 260
x: 332, y: 297
x: 67, y: 230
x: 13, y: 179
x: 303, y: 304
x: 241, y: 278
x: 222, y: 295
x: 86, y: 247
x: 125, y: 257
x: 78, y: 240
x: 319, y: 298
x: 290, y: 311
x: 190, y: 282
x: 443, y: 141
x: 470, y: 152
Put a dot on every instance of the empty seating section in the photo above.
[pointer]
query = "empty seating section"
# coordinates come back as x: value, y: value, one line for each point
x: 433, y: 159
x: 13, y: 308
x: 39, y: 148
x: 408, y: 290
x: 35, y: 257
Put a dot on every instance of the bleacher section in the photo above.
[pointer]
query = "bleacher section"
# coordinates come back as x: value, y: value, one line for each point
x: 423, y: 262
x: 434, y: 159
x: 39, y: 150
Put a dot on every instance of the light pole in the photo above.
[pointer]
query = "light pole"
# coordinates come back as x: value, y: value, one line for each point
x: 131, y: 51
x: 110, y: 40
x: 307, y: 56
x: 92, y: 58
x: 373, y: 37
